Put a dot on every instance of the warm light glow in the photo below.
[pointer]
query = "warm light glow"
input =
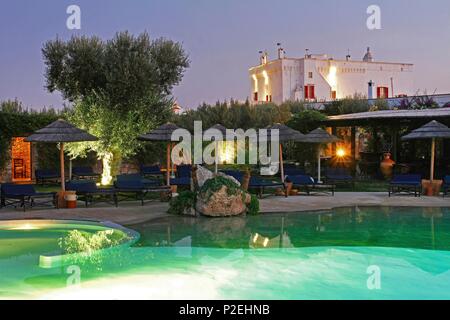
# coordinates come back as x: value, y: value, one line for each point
x: 266, y: 77
x: 106, y: 174
x: 255, y: 238
x: 255, y: 79
x: 226, y: 152
x: 340, y: 153
x: 25, y: 226
x: 332, y: 77
x: 266, y: 242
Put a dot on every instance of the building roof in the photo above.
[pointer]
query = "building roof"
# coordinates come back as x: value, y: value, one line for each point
x: 397, y: 115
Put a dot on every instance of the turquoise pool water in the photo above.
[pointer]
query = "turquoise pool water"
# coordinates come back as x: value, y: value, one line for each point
x: 348, y: 253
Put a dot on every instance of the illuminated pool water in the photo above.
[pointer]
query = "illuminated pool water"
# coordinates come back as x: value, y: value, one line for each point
x: 349, y: 253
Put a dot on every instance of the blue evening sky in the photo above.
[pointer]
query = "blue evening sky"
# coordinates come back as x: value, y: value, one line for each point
x: 223, y: 38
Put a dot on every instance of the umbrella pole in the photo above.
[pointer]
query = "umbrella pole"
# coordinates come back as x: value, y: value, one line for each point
x: 216, y: 152
x: 433, y: 154
x: 61, y: 158
x: 168, y: 165
x: 318, y: 166
x: 281, y: 163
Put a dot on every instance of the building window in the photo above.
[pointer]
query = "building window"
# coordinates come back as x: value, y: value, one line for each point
x: 310, y: 75
x: 255, y: 96
x: 333, y: 95
x: 382, y: 92
x: 310, y: 92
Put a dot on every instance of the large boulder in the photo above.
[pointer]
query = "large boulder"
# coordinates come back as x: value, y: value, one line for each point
x: 220, y: 197
x: 203, y: 175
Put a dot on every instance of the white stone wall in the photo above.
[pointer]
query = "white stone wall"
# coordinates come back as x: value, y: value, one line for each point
x: 285, y: 79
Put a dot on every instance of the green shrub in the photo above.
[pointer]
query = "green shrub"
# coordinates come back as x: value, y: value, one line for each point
x: 215, y: 184
x: 84, y: 242
x: 184, y: 201
x: 253, y: 207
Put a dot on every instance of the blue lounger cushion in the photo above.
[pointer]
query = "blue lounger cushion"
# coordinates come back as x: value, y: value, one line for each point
x: 134, y: 181
x: 407, y: 179
x: 151, y: 170
x: 447, y: 181
x: 338, y: 174
x: 184, y: 181
x: 301, y: 180
x: 46, y: 174
x: 84, y: 171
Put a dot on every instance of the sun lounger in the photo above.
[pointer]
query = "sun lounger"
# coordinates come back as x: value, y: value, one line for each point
x: 407, y: 183
x: 261, y: 184
x: 151, y: 171
x: 258, y: 183
x: 88, y: 192
x: 184, y: 173
x: 84, y: 173
x: 339, y: 176
x: 293, y: 170
x: 446, y: 185
x: 47, y: 175
x: 310, y: 185
x: 238, y: 175
x: 23, y: 195
x: 135, y: 187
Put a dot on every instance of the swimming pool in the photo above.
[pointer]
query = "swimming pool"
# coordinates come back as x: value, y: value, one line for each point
x: 346, y: 253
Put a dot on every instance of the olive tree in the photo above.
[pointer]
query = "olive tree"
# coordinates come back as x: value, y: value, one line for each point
x: 118, y: 89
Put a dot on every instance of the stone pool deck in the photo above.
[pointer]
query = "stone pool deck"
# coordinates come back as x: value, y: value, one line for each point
x: 133, y: 213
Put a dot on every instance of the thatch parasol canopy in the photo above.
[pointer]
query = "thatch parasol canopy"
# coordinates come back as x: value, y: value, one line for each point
x: 162, y: 133
x: 207, y: 136
x: 431, y: 130
x: 320, y: 136
x: 60, y: 131
x: 285, y: 133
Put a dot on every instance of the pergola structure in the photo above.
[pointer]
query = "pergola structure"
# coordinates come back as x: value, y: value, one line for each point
x: 392, y: 119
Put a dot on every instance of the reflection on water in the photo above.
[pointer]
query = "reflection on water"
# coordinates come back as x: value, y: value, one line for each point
x: 421, y: 228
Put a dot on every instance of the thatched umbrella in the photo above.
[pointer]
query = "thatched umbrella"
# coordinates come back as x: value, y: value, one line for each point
x: 320, y: 137
x: 162, y: 133
x: 207, y: 136
x: 285, y: 134
x: 61, y: 132
x: 431, y: 130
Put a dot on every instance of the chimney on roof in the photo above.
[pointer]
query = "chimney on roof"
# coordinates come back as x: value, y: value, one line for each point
x: 264, y: 57
x: 281, y: 52
x: 348, y: 56
x: 307, y: 54
x: 368, y: 56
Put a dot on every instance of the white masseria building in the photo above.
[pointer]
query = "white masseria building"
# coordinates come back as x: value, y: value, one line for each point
x: 322, y: 78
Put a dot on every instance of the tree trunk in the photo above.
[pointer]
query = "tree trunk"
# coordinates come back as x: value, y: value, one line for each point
x: 111, y: 166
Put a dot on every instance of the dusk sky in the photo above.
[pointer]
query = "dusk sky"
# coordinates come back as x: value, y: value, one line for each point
x: 223, y: 37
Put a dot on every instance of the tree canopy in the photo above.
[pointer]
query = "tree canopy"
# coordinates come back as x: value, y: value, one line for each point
x: 124, y: 68
x: 119, y: 88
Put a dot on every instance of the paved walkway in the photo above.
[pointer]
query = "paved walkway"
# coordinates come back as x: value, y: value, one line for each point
x: 133, y: 213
